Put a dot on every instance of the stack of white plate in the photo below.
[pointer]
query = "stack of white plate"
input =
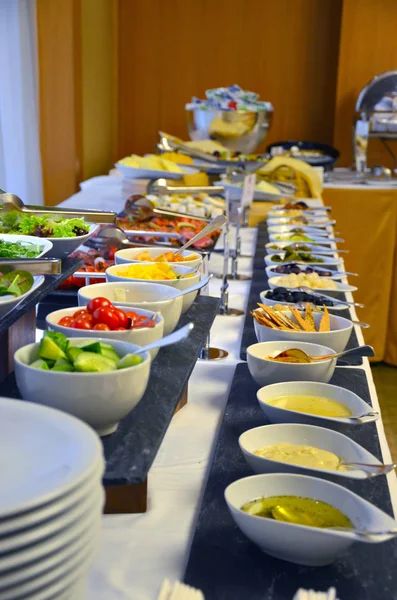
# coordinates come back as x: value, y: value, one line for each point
x: 51, y: 502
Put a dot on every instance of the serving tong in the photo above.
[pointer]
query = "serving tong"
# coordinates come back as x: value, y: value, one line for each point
x: 36, y: 266
x: 170, y: 142
x: 10, y: 202
x: 142, y: 209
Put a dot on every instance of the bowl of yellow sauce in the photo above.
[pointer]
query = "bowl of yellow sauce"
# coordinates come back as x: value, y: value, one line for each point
x: 266, y: 371
x: 298, y: 448
x: 313, y: 403
x: 291, y: 517
x: 177, y: 276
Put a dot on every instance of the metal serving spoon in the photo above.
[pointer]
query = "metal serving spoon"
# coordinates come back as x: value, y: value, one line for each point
x: 143, y: 209
x: 172, y: 338
x: 363, y: 534
x: 215, y: 224
x: 335, y: 300
x: 13, y: 202
x: 301, y: 354
x: 370, y: 470
x: 197, y: 286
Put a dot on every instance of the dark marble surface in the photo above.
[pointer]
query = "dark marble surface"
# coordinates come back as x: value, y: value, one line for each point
x: 225, y: 565
x: 131, y: 450
x: 259, y: 283
x: 69, y: 266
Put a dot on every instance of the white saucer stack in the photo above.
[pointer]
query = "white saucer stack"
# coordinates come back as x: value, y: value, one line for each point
x: 51, y: 501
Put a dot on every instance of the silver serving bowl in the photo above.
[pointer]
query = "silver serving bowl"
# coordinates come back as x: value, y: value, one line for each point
x: 237, y: 130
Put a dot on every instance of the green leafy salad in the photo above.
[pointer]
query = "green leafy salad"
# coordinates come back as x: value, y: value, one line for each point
x: 19, y: 250
x: 15, y: 283
x: 48, y: 226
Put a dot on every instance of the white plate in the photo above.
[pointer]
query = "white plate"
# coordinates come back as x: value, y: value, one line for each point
x: 34, y: 517
x: 38, y: 568
x: 44, y: 453
x: 28, y: 240
x: 316, y: 238
x: 342, y: 287
x: 8, y: 302
x: 134, y: 173
x: 264, y: 300
x: 36, y: 535
x: 312, y: 222
x: 326, y: 260
x: 58, y: 575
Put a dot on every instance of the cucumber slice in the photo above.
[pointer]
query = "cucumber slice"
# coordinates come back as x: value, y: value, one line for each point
x: 73, y: 352
x: 40, y: 364
x: 110, y: 354
x: 49, y: 349
x: 93, y: 347
x: 63, y: 365
x: 129, y: 360
x: 90, y: 362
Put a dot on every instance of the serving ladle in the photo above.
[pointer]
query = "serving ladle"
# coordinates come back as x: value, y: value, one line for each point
x: 10, y: 202
x: 308, y: 290
x: 142, y: 209
x: 172, y: 338
x: 290, y: 515
x: 303, y: 357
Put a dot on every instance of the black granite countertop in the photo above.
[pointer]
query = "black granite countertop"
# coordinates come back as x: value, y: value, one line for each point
x: 226, y: 565
x: 131, y: 450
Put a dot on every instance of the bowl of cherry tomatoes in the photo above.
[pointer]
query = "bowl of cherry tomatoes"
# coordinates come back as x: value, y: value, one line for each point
x: 102, y: 319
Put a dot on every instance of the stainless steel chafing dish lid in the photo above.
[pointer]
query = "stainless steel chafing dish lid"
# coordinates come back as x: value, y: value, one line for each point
x: 380, y: 94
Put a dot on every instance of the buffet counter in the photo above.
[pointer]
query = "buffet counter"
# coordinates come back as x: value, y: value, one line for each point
x: 138, y: 551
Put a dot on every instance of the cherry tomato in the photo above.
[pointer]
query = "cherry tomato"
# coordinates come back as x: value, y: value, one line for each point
x: 96, y: 303
x: 122, y: 317
x: 132, y: 315
x: 101, y: 327
x: 81, y: 323
x: 105, y: 314
x: 66, y: 321
x: 80, y: 313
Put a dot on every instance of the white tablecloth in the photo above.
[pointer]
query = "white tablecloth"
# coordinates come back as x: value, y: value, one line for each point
x: 138, y: 551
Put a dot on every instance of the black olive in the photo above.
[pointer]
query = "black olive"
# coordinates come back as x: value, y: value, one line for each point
x: 217, y: 154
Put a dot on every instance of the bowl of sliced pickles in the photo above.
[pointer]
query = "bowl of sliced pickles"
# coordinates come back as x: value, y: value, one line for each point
x: 308, y: 325
x: 314, y: 403
x: 300, y: 519
x: 305, y: 449
x: 272, y: 362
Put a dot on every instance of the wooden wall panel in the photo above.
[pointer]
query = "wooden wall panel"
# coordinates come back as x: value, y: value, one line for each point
x: 286, y: 51
x: 59, y: 50
x: 367, y: 47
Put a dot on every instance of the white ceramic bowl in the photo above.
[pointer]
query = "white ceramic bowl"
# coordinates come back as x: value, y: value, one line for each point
x: 148, y: 296
x: 99, y: 399
x: 62, y: 247
x: 354, y: 403
x: 270, y: 273
x: 129, y: 255
x: 319, y: 231
x: 310, y: 546
x: 303, y: 435
x: 312, y: 221
x: 315, y: 249
x: 9, y: 302
x: 337, y: 306
x: 28, y: 240
x: 179, y: 284
x: 274, y: 237
x: 342, y: 287
x: 266, y: 372
x: 336, y: 339
x: 139, y: 336
x: 326, y: 260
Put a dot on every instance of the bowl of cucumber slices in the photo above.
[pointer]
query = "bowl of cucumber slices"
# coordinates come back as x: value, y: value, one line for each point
x: 95, y: 379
